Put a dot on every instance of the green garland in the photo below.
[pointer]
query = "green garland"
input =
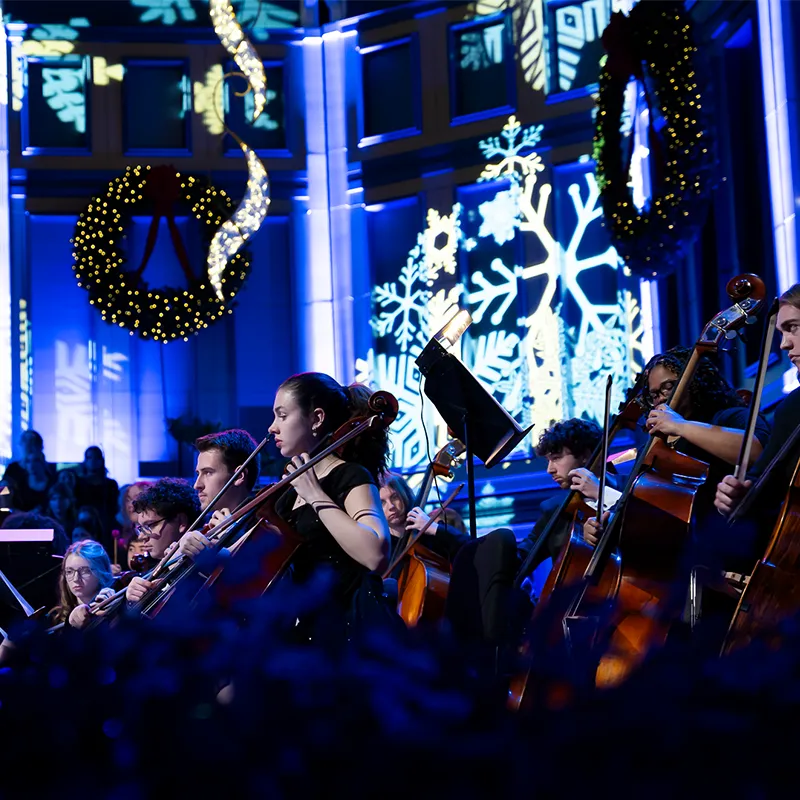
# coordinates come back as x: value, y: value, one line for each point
x: 122, y: 296
x: 654, y: 43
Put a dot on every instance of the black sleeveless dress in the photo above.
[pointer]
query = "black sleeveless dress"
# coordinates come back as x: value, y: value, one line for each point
x: 355, y: 600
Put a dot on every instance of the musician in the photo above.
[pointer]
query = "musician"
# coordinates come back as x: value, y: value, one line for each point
x: 730, y: 490
x: 85, y: 578
x: 480, y: 605
x: 335, y: 507
x: 404, y: 518
x: 219, y: 455
x: 165, y: 510
x: 708, y: 423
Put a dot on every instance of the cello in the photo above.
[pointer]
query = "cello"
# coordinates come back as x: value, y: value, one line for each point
x: 631, y: 595
x: 424, y: 581
x: 772, y: 591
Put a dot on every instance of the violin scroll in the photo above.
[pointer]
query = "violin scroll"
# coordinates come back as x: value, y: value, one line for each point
x: 385, y: 405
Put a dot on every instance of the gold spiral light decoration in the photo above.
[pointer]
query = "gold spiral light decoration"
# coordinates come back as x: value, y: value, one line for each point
x: 251, y: 212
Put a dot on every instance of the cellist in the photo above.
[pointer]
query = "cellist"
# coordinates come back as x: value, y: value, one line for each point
x: 481, y: 607
x: 730, y: 490
x: 708, y: 424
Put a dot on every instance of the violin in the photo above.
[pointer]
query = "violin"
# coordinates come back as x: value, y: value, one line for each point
x: 264, y: 553
x: 424, y: 580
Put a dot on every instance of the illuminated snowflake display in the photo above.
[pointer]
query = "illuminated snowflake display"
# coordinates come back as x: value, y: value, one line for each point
x: 545, y: 333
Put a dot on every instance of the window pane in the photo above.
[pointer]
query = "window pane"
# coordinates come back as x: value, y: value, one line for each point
x: 389, y: 89
x: 156, y: 91
x: 575, y: 46
x: 268, y: 132
x: 56, y: 106
x: 481, y: 73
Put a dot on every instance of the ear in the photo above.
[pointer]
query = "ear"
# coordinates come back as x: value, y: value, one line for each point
x: 240, y: 479
x: 317, y: 418
x: 183, y: 523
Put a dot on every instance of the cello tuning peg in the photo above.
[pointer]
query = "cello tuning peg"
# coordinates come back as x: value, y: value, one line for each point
x: 750, y: 320
x: 731, y: 334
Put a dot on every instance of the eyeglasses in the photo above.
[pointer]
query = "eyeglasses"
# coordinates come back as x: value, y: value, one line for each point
x: 83, y: 572
x: 654, y: 398
x: 146, y: 528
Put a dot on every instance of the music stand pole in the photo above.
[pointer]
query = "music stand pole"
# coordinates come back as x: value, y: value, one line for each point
x: 473, y: 525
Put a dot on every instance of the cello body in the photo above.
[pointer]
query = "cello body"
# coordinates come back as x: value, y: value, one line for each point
x: 424, y: 580
x: 422, y: 586
x: 773, y: 592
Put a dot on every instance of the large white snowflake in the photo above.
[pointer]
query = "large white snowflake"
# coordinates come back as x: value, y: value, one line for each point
x: 400, y: 376
x: 482, y: 298
x: 500, y: 215
x: 513, y: 164
x: 496, y: 360
x: 403, y: 311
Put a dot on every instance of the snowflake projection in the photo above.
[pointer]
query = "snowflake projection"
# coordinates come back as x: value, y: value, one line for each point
x: 63, y: 89
x: 544, y: 357
x: 440, y: 242
x: 500, y: 215
x: 484, y: 297
x: 481, y: 49
x: 165, y: 12
x: 404, y: 311
x: 264, y: 121
x: 258, y: 16
x: 513, y: 165
x: 398, y: 374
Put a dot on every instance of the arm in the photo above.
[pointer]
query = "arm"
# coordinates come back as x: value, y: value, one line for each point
x: 720, y: 442
x: 361, y: 529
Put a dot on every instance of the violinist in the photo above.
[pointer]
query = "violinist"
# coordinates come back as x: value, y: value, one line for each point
x: 730, y: 490
x: 219, y: 455
x: 165, y: 510
x: 335, y: 507
x: 85, y: 578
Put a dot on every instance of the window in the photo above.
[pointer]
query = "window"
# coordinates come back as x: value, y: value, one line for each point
x: 482, y: 69
x: 55, y: 118
x: 157, y: 91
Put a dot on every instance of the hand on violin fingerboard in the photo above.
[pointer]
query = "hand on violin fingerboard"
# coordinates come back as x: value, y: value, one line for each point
x: 218, y: 516
x: 306, y: 485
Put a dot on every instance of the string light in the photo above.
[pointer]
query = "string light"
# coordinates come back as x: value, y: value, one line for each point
x: 249, y: 216
x: 658, y: 35
x: 122, y: 297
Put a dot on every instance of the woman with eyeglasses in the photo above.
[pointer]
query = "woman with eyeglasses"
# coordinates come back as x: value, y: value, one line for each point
x: 85, y: 578
x: 708, y: 423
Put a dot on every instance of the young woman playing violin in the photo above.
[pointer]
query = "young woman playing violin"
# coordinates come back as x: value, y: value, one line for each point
x: 85, y: 578
x: 334, y: 507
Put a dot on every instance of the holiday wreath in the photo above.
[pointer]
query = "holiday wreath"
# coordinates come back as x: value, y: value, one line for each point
x: 122, y: 296
x: 653, y: 45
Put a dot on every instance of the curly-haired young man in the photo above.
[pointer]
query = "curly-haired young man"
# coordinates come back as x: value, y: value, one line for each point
x: 165, y: 510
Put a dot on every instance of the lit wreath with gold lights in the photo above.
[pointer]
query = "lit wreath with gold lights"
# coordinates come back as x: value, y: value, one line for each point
x: 120, y: 293
x: 654, y: 44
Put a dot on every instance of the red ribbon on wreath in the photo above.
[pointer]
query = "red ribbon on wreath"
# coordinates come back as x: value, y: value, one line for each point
x: 163, y: 187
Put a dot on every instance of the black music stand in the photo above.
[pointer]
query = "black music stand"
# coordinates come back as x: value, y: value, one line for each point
x: 474, y: 416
